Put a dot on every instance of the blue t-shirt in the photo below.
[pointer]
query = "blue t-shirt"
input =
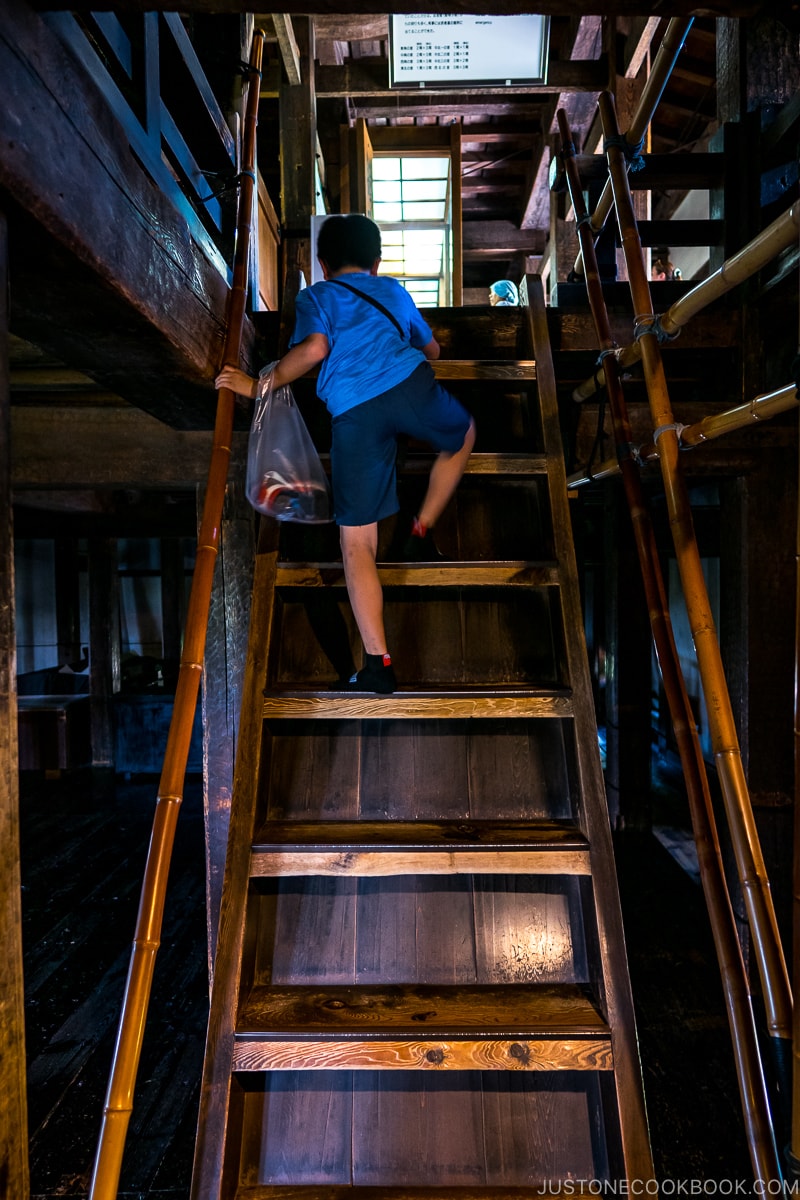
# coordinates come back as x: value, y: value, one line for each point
x: 367, y: 354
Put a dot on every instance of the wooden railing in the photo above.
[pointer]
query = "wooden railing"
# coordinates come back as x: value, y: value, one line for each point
x: 768, y: 951
x: 152, y: 81
x: 749, y: 1070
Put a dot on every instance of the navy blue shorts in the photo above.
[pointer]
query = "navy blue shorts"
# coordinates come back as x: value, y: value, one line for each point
x: 364, y: 448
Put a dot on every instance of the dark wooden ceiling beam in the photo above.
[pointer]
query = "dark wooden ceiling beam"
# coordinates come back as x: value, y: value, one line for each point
x: 370, y: 80
x: 342, y: 27
x: 565, y: 8
x: 484, y: 135
x: 287, y: 44
x: 489, y: 187
x: 499, y: 241
x: 451, y: 108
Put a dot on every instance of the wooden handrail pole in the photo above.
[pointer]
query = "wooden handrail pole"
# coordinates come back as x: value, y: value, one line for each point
x: 663, y: 63
x: 749, y: 1070
x: 130, y: 1032
x: 738, y: 809
x: 794, y: 1143
x: 759, y: 409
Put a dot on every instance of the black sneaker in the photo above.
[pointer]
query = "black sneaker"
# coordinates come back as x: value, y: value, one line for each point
x: 376, y: 676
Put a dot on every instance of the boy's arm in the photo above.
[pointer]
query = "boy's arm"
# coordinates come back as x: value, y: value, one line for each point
x: 432, y: 350
x: 301, y: 358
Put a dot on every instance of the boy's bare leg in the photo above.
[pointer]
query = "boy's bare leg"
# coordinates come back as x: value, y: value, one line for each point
x: 359, y: 550
x: 444, y: 479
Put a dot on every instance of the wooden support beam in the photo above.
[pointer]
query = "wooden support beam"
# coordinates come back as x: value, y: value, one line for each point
x: 298, y: 135
x: 287, y: 44
x: 456, y: 196
x: 451, y: 107
x: 13, y: 1105
x: 370, y: 80
x: 499, y: 239
x: 410, y: 137
x: 108, y: 448
x: 641, y: 32
x: 480, y: 134
x: 660, y: 171
x: 682, y: 233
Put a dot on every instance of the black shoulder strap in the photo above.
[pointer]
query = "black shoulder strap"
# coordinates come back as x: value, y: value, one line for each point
x: 375, y: 304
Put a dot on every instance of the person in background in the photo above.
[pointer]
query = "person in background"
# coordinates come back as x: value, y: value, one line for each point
x: 662, y: 266
x: 503, y: 294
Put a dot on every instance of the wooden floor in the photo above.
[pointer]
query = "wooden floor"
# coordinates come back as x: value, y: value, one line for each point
x: 83, y: 847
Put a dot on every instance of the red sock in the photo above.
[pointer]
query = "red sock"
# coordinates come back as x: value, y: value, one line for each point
x: 418, y: 529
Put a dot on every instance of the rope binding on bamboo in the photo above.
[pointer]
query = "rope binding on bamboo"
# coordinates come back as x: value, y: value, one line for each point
x: 674, y: 426
x: 631, y: 150
x: 645, y: 323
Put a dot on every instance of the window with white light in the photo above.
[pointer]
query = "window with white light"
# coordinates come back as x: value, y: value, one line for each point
x: 411, y: 202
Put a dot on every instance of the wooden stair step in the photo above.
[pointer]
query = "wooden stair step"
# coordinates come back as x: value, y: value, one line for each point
x: 405, y: 704
x: 381, y: 848
x: 484, y: 463
x: 512, y: 1027
x: 511, y: 573
x: 480, y: 462
x: 490, y: 369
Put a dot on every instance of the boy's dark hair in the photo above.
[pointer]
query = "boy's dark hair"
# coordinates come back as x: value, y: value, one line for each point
x: 348, y: 241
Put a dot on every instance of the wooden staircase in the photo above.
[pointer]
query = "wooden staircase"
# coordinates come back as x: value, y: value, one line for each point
x: 421, y: 987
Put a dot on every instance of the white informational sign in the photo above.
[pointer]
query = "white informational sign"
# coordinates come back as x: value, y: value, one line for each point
x: 438, y: 49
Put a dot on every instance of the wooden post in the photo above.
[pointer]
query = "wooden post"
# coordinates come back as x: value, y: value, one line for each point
x: 104, y: 646
x: 298, y: 135
x: 223, y: 677
x: 757, y: 566
x: 628, y: 674
x: 13, y: 1108
x: 68, y: 610
x: 627, y: 94
x: 173, y: 588
x: 457, y: 224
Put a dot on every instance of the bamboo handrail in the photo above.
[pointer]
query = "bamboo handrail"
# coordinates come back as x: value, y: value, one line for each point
x: 752, y: 1086
x: 727, y: 754
x: 753, y: 257
x: 663, y: 63
x: 793, y: 1155
x: 122, y: 1079
x: 759, y: 409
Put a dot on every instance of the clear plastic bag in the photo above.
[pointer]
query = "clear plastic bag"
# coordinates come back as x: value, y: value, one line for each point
x: 285, y: 478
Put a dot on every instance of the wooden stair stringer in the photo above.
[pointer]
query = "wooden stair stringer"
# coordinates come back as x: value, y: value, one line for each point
x: 617, y: 998
x: 211, y: 1173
